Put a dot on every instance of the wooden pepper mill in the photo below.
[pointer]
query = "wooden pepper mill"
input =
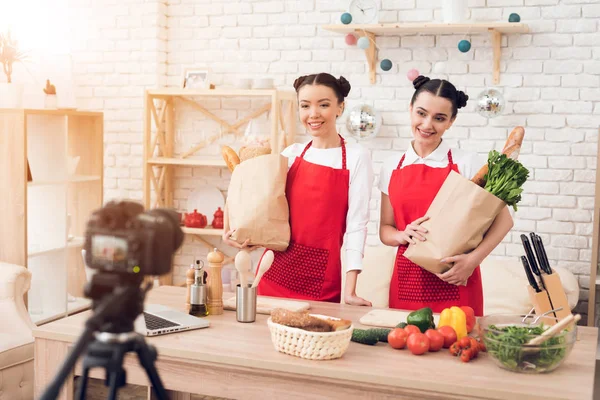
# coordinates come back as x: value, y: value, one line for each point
x: 215, y: 283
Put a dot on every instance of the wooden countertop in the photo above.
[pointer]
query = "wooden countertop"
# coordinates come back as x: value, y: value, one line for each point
x: 249, y: 345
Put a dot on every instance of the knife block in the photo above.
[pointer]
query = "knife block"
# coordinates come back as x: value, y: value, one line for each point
x: 540, y: 301
x: 552, y: 298
x: 557, y: 294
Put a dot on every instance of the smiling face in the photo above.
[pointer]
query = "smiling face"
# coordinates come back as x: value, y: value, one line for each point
x: 319, y: 108
x: 430, y: 117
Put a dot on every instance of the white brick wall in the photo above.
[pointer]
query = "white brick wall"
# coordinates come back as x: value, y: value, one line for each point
x: 550, y: 79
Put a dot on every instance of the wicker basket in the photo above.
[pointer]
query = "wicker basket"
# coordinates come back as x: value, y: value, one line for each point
x: 310, y: 345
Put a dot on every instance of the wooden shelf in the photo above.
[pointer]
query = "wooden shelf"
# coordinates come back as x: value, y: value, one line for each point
x: 72, y: 179
x: 430, y: 28
x: 61, y: 112
x: 188, y: 162
x: 75, y: 242
x: 495, y: 29
x: 226, y: 92
x: 205, y: 231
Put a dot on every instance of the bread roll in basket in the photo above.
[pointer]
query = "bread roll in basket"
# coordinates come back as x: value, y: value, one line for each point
x: 308, y: 344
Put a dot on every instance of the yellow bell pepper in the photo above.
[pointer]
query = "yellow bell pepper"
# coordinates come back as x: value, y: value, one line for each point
x: 455, y: 318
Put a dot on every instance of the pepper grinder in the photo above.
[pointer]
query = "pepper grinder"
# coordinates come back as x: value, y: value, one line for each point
x: 198, y: 306
x: 215, y: 283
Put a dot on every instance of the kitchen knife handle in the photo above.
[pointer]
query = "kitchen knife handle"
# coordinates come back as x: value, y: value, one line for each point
x: 544, y: 255
x: 530, y: 276
x: 538, y: 252
x: 530, y: 256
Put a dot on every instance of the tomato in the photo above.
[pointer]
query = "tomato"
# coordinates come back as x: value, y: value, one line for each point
x: 410, y: 329
x: 436, y: 339
x: 474, y: 347
x: 464, y: 343
x: 397, y: 338
x: 482, y: 347
x: 454, y: 349
x: 470, y: 314
x: 418, y: 343
x: 449, y: 335
x: 466, y: 355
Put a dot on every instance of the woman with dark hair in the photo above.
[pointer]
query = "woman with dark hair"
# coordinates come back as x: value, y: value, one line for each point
x: 328, y: 190
x: 409, y: 182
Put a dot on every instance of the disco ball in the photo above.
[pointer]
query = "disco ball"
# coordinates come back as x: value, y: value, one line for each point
x: 363, y: 122
x: 490, y: 103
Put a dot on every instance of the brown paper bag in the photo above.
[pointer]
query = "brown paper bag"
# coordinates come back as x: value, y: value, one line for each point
x: 256, y: 204
x: 459, y: 216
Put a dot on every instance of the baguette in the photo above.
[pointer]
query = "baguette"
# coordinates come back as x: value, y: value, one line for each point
x: 248, y: 152
x: 304, y: 320
x: 512, y: 148
x: 230, y: 156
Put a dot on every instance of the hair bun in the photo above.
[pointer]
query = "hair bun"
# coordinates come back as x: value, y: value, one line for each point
x: 344, y: 86
x: 420, y: 81
x: 299, y: 81
x: 461, y: 99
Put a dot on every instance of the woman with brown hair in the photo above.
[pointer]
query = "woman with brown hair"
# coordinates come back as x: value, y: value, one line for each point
x: 328, y: 190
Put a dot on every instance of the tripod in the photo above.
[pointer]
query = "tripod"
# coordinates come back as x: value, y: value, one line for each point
x: 108, y: 337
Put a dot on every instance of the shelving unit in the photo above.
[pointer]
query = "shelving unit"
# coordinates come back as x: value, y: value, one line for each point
x: 594, y: 278
x: 495, y: 29
x: 43, y: 221
x: 160, y: 159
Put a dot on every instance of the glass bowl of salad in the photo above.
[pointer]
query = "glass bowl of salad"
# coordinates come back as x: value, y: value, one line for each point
x: 506, y: 337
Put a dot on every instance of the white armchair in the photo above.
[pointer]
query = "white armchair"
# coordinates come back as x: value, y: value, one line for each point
x: 16, y: 340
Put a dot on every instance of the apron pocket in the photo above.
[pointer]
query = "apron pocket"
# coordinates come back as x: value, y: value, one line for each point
x: 418, y: 285
x: 300, y: 269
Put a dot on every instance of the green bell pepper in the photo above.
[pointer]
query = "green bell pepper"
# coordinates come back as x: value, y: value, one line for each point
x: 422, y: 319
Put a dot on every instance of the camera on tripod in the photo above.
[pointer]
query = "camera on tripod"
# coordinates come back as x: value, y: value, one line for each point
x: 123, y: 243
x: 121, y: 238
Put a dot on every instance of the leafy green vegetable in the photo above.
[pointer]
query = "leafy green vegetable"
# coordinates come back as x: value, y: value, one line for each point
x: 505, y: 178
x: 505, y: 344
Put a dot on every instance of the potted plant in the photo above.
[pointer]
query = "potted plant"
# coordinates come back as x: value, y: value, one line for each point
x: 11, y: 94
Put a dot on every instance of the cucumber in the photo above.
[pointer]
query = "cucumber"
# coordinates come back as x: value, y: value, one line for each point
x: 382, y: 333
x: 401, y: 325
x: 365, y: 336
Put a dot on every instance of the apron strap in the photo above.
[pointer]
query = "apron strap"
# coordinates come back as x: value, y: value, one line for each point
x: 342, y: 143
x: 401, y: 161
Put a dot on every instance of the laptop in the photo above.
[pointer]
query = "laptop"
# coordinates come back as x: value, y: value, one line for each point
x: 159, y: 320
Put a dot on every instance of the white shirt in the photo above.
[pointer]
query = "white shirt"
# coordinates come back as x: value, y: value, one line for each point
x: 468, y: 163
x: 358, y: 162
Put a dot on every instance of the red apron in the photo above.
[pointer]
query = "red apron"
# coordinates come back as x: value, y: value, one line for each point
x: 310, y: 268
x: 411, y: 191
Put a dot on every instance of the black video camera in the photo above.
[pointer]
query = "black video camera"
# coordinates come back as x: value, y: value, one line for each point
x: 121, y: 238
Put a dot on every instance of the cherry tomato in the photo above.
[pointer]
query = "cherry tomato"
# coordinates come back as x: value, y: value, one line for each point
x: 397, y: 338
x: 474, y: 347
x: 482, y: 347
x: 466, y: 355
x: 449, y: 335
x: 464, y: 343
x: 436, y: 339
x: 454, y: 349
x: 418, y: 343
x: 410, y: 329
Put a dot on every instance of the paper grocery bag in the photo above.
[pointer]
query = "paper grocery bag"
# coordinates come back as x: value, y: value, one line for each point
x: 256, y: 204
x: 459, y: 216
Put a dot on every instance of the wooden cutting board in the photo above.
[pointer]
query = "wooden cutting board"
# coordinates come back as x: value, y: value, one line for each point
x: 264, y: 305
x: 388, y: 318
